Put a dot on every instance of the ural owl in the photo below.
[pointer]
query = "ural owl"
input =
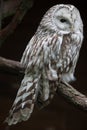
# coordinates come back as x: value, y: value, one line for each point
x: 50, y: 56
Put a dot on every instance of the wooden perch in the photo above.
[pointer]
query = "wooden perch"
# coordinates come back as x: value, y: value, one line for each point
x: 67, y: 91
x: 72, y: 95
x: 10, y: 66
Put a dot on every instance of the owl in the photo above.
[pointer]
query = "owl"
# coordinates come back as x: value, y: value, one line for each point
x: 50, y: 57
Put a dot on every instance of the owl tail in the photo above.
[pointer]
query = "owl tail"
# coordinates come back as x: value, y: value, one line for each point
x: 24, y: 102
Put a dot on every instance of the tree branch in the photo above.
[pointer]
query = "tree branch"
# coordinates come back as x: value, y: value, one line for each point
x: 10, y: 7
x: 10, y: 66
x: 23, y: 6
x: 67, y: 91
x: 72, y: 96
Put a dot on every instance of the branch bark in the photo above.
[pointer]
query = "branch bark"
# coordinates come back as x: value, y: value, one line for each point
x: 21, y: 8
x: 11, y: 67
x: 10, y: 7
x: 72, y: 96
x: 67, y: 91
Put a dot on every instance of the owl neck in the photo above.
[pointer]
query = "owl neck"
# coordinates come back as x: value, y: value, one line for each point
x: 45, y: 31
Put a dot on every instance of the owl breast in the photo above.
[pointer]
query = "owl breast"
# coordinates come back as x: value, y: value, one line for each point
x: 64, y: 56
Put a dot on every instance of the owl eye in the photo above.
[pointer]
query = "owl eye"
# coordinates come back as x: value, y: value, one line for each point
x: 63, y: 20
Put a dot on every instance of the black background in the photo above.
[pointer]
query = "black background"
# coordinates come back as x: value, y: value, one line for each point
x: 59, y: 115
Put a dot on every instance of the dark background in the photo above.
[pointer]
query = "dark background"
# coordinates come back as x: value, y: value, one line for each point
x: 59, y: 115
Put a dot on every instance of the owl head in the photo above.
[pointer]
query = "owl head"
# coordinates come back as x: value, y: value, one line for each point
x: 63, y: 19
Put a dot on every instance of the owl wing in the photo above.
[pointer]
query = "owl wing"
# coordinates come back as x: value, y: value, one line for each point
x: 43, y: 51
x: 36, y: 58
x: 26, y: 96
x: 24, y: 103
x: 43, y: 48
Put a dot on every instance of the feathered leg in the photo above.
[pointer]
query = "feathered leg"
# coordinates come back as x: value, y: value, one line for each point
x: 47, y: 90
x: 43, y: 103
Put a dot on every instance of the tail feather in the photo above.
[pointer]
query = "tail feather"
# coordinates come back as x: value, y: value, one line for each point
x: 24, y: 102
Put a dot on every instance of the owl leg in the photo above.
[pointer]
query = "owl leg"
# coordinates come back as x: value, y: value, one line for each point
x: 41, y: 103
x: 25, y: 100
